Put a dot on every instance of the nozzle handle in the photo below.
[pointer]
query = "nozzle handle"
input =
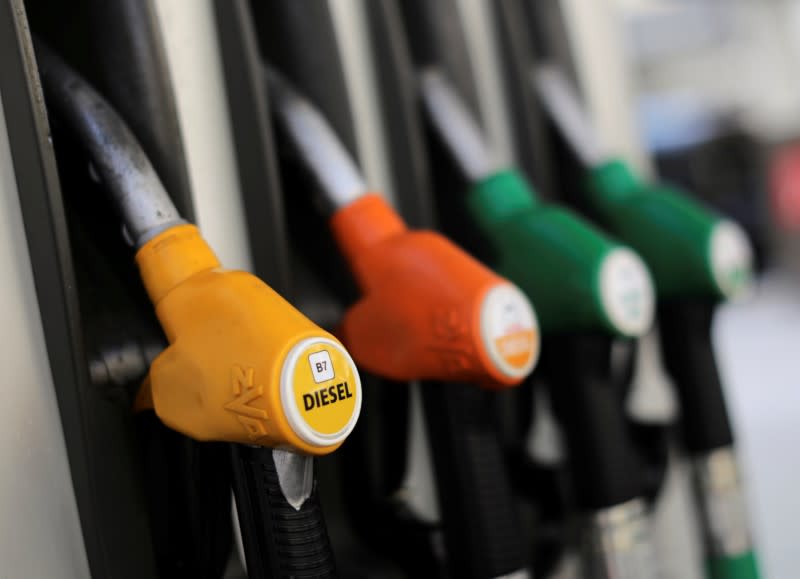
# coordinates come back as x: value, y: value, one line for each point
x: 483, y: 535
x: 688, y: 355
x: 606, y: 466
x: 281, y: 539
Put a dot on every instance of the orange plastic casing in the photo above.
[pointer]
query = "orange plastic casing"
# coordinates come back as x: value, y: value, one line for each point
x: 420, y: 311
x: 229, y: 336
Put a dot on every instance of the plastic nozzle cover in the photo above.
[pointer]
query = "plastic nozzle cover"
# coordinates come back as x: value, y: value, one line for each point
x: 243, y: 365
x: 692, y: 251
x: 429, y: 311
x: 578, y: 278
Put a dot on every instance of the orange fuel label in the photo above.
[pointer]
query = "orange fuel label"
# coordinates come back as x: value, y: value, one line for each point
x: 510, y: 330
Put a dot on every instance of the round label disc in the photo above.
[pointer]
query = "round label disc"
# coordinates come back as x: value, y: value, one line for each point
x: 731, y: 258
x: 626, y: 292
x: 320, y: 391
x: 509, y: 330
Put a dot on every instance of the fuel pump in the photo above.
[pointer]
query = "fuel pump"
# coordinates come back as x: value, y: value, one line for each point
x: 698, y: 260
x: 539, y: 66
x: 241, y: 365
x: 427, y: 312
x: 595, y: 291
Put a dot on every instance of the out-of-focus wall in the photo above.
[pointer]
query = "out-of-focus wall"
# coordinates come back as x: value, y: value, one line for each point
x: 732, y: 55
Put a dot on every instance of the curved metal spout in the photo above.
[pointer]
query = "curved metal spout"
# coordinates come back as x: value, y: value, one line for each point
x: 321, y: 150
x: 456, y: 126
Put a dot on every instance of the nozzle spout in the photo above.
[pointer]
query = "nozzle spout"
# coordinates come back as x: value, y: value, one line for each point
x: 318, y: 146
x: 560, y: 98
x: 456, y: 126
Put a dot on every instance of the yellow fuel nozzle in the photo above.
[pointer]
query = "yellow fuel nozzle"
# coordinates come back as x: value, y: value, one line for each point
x: 242, y: 364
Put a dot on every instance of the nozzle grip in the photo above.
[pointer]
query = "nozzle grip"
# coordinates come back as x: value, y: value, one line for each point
x: 688, y: 354
x: 280, y: 542
x: 606, y: 466
x: 483, y: 533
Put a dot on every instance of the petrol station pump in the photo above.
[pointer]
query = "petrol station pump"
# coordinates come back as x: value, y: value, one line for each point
x: 698, y: 259
x: 427, y: 313
x: 523, y: 237
x: 362, y: 394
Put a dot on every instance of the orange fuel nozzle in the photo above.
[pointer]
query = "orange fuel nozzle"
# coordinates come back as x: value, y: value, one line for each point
x: 429, y: 311
x: 243, y: 365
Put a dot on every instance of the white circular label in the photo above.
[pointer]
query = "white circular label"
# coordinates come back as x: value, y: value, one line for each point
x: 320, y: 391
x: 731, y: 258
x: 626, y: 292
x: 509, y: 330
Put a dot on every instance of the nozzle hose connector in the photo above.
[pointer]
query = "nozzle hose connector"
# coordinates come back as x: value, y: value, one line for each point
x: 321, y: 150
x: 457, y: 125
x: 116, y: 155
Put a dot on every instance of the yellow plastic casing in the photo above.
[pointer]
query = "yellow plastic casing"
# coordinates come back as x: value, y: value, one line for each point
x: 243, y: 365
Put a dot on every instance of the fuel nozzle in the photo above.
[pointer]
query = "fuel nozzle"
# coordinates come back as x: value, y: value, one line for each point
x: 242, y: 364
x: 698, y: 258
x: 428, y: 310
x: 589, y: 290
x: 579, y: 278
x: 691, y: 250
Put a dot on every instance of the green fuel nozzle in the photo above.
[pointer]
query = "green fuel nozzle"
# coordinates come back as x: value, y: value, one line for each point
x: 588, y: 290
x: 691, y: 251
x: 696, y: 257
x: 579, y: 278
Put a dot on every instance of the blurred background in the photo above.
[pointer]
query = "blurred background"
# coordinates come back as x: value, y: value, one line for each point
x: 715, y: 89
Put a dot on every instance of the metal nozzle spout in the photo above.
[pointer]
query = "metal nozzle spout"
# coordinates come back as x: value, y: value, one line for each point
x: 560, y: 98
x: 116, y: 155
x: 456, y: 126
x: 320, y: 149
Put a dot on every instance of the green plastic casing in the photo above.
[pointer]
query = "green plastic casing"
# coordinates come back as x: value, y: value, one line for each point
x: 740, y: 567
x: 670, y: 231
x: 550, y: 253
